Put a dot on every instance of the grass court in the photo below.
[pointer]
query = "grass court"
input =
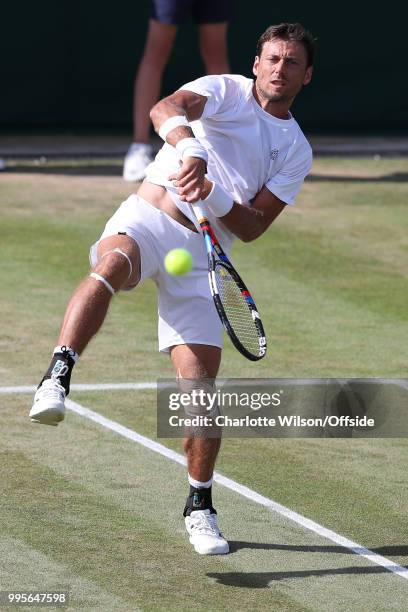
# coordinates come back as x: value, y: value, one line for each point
x: 85, y: 509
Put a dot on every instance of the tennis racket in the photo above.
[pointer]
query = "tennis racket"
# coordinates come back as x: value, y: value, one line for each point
x: 233, y: 301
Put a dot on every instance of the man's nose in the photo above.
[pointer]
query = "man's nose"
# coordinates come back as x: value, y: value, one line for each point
x: 279, y: 66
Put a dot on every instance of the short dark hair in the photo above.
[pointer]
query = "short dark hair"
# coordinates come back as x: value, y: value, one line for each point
x: 293, y: 32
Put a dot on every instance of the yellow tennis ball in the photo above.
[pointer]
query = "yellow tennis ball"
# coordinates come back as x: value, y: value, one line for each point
x: 178, y: 262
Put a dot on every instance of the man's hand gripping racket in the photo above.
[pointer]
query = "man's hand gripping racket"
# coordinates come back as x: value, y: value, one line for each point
x: 233, y: 301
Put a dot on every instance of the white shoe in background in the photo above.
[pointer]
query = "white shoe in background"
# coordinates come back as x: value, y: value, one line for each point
x: 138, y: 157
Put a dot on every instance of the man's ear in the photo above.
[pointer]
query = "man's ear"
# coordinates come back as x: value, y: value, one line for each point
x: 255, y: 66
x: 308, y: 75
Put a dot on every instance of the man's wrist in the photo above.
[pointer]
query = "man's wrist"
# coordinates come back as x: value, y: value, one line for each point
x: 218, y: 201
x: 208, y: 185
x: 191, y: 147
x: 171, y: 123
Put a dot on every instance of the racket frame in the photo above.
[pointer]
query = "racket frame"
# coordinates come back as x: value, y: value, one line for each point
x: 221, y: 259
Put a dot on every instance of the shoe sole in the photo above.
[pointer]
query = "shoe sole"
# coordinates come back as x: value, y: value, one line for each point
x: 44, y: 422
x: 48, y: 418
x: 223, y: 552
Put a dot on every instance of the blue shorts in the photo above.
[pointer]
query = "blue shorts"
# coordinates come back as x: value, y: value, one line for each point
x: 175, y: 12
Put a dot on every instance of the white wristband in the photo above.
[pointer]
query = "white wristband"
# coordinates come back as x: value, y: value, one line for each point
x: 170, y: 124
x: 191, y: 147
x: 218, y: 201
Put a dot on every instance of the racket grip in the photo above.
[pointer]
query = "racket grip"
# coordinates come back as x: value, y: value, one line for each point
x: 198, y: 211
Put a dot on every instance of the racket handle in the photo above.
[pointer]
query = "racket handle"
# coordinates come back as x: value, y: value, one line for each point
x: 198, y: 211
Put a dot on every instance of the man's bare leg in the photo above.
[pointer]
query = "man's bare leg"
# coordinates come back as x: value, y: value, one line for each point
x: 118, y: 267
x: 195, y: 362
x: 89, y: 304
x: 198, y: 362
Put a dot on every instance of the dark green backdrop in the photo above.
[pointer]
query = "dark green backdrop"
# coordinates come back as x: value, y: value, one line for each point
x: 72, y: 65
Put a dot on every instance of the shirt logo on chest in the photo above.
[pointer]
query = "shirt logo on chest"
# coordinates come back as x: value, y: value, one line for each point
x: 274, y: 154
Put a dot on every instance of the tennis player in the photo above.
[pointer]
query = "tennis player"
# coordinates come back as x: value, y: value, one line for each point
x: 232, y: 143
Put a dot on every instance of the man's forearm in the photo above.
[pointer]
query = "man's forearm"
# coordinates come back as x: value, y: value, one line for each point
x: 245, y: 222
x: 249, y: 222
x: 170, y: 118
x: 165, y: 109
x: 182, y: 104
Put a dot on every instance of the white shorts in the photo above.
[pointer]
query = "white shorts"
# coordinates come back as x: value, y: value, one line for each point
x: 187, y: 314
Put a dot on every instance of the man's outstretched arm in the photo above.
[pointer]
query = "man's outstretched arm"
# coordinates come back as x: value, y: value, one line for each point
x: 246, y: 222
x: 250, y: 222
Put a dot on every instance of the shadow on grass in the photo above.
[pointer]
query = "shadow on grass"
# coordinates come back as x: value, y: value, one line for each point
x: 82, y: 168
x: 70, y: 170
x: 261, y: 580
x: 394, y: 177
x: 399, y: 550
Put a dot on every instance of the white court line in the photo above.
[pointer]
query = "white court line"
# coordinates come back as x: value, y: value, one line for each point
x: 242, y: 490
x: 222, y: 480
x: 96, y: 387
x: 400, y: 382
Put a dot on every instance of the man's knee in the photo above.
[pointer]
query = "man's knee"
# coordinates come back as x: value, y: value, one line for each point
x: 116, y: 263
x: 196, y: 361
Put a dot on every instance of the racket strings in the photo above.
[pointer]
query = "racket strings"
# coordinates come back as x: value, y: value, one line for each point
x: 237, y: 310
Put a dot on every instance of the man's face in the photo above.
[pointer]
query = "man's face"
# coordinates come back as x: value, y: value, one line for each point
x: 281, y: 70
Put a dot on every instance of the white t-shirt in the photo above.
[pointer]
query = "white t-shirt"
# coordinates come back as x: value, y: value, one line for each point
x: 247, y: 147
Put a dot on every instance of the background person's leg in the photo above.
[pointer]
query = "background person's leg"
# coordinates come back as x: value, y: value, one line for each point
x: 159, y: 43
x: 214, y: 48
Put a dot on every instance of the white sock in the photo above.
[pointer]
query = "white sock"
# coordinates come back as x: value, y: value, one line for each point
x: 198, y: 484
